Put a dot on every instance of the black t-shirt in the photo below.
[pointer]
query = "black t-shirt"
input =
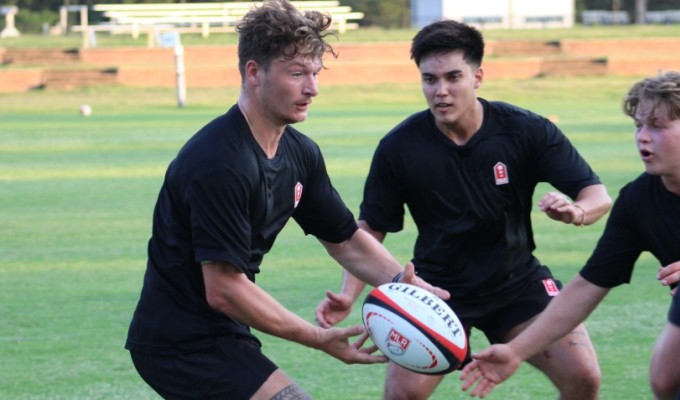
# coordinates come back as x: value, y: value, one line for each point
x: 471, y: 203
x: 645, y: 217
x: 223, y: 200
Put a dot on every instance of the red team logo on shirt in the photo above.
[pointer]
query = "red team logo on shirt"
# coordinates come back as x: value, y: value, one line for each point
x: 298, y: 194
x: 551, y: 287
x: 500, y: 172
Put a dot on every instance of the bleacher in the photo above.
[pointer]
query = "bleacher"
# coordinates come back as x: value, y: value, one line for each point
x: 544, y: 21
x: 482, y: 21
x: 604, y: 17
x: 201, y: 18
x: 663, y: 17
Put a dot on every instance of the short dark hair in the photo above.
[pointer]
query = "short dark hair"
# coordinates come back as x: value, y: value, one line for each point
x: 277, y: 29
x: 662, y: 89
x: 446, y: 36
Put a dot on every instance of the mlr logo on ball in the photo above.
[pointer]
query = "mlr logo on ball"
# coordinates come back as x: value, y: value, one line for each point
x: 397, y: 343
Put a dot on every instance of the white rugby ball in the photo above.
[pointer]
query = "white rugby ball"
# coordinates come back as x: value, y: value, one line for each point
x: 414, y: 328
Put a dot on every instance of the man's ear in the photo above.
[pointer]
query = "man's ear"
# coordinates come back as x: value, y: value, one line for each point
x: 252, y: 71
x: 479, y: 77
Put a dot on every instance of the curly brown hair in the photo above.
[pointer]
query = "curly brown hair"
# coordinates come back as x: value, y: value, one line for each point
x: 277, y: 29
x: 662, y: 89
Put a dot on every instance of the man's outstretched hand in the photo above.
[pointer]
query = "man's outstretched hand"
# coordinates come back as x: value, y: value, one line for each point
x: 333, y: 309
x: 489, y: 368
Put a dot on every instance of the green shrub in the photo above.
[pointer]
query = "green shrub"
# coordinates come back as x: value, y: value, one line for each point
x: 34, y: 21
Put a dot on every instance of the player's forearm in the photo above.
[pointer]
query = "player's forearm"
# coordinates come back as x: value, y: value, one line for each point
x: 366, y: 259
x: 231, y: 293
x: 594, y: 201
x: 571, y: 307
x: 350, y: 284
x: 379, y: 236
x: 273, y: 318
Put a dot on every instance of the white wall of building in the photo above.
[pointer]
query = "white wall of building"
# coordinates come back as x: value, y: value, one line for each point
x: 512, y: 14
x: 429, y: 11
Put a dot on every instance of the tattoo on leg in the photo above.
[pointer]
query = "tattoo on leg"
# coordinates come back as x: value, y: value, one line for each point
x: 292, y: 392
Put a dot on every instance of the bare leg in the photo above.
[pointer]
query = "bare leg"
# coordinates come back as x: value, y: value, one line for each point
x: 570, y: 363
x: 664, y: 371
x: 280, y: 387
x: 402, y: 384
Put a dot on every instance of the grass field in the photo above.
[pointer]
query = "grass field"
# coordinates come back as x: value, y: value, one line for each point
x: 76, y: 196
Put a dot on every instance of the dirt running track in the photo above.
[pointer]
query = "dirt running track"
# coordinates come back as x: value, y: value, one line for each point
x: 216, y: 66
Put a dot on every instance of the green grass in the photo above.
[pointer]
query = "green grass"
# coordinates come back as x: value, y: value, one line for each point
x: 76, y: 196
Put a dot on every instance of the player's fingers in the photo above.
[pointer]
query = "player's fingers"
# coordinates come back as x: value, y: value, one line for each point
x: 370, y: 349
x: 437, y: 291
x: 670, y: 279
x: 333, y: 297
x: 351, y: 331
x: 362, y: 355
x: 409, y: 272
x: 553, y: 201
x: 364, y: 358
x: 323, y: 322
x: 320, y: 315
x: 468, y: 370
x: 360, y: 342
x: 483, y: 388
x: 469, y: 377
x: 566, y: 207
x: 669, y: 275
x: 411, y: 277
x: 546, y: 201
x: 483, y: 355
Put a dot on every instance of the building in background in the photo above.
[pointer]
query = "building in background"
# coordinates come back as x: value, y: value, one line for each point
x: 488, y: 14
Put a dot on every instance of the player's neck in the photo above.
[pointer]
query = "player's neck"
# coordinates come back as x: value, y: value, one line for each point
x: 266, y: 134
x: 463, y: 129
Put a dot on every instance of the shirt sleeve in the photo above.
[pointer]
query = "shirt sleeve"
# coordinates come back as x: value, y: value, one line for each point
x: 383, y: 203
x: 559, y: 162
x: 321, y: 211
x: 612, y: 261
x: 219, y: 218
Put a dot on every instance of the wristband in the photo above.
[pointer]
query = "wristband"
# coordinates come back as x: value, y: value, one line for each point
x: 397, y: 277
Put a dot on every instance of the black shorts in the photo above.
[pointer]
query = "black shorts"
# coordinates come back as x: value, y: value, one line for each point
x: 234, y: 368
x: 495, y: 318
x: 674, y: 312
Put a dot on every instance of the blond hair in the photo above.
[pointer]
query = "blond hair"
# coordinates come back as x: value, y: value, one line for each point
x: 663, y: 89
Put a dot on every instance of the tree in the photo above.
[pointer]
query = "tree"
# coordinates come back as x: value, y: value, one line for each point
x: 384, y: 13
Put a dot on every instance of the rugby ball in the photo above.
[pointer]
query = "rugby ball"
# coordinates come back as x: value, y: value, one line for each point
x: 414, y: 328
x: 85, y: 110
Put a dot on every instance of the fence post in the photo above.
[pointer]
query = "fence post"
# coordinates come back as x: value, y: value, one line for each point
x: 10, y: 30
x: 181, y: 79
